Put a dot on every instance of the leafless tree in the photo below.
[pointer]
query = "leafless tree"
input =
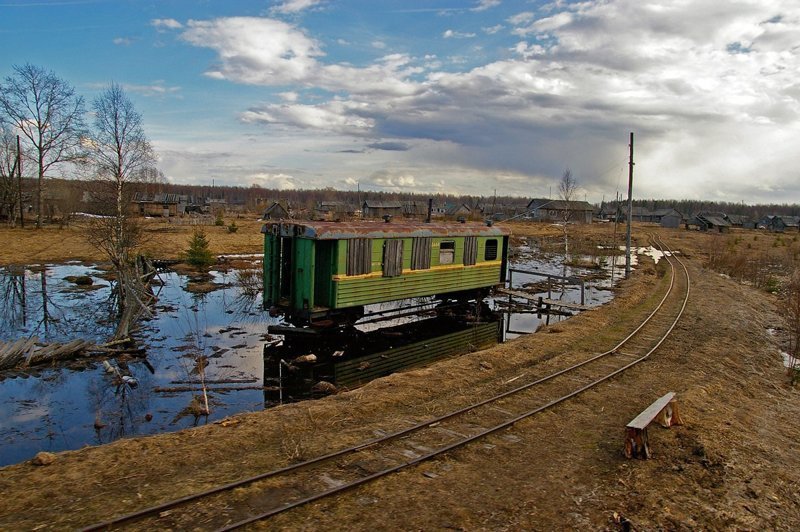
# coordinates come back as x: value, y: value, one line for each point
x: 567, y: 189
x: 119, y: 152
x: 48, y: 114
x: 8, y: 171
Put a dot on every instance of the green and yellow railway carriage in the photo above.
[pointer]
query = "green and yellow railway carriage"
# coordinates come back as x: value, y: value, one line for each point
x: 315, y: 271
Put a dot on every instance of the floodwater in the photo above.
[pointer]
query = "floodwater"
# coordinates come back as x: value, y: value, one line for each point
x: 219, y: 334
x: 80, y: 404
x: 601, y: 272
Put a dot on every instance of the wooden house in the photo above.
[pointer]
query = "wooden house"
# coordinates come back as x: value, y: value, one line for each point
x: 162, y: 205
x: 335, y: 210
x: 276, y: 211
x: 712, y: 221
x: 379, y: 209
x: 547, y: 210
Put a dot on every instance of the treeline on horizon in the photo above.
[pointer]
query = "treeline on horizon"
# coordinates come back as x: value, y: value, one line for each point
x: 307, y: 198
x: 255, y: 198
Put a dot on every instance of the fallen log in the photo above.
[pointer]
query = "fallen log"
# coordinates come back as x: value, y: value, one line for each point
x: 180, y: 389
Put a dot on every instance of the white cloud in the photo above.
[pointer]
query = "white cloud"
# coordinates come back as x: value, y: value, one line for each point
x: 336, y: 116
x: 166, y: 24
x: 157, y: 88
x: 521, y: 18
x: 388, y: 180
x: 483, y: 5
x: 380, y: 45
x: 491, y: 30
x: 262, y: 51
x: 451, y: 34
x: 123, y: 41
x: 256, y: 51
x: 704, y: 108
x: 295, y: 6
x: 274, y: 181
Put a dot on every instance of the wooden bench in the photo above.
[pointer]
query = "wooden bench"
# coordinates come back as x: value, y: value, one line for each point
x: 664, y: 410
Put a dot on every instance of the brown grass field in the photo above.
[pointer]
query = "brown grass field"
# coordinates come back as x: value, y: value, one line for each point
x: 162, y: 240
x: 733, y: 465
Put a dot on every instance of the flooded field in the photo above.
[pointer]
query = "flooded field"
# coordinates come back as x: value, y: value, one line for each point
x: 81, y: 403
x: 216, y: 335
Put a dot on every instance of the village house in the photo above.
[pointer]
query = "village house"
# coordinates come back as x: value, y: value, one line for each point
x: 276, y: 211
x: 709, y: 221
x: 415, y: 209
x: 783, y: 224
x: 547, y: 210
x: 335, y: 210
x: 163, y: 205
x: 379, y: 209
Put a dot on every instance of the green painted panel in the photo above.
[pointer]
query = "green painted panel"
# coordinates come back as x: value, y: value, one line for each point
x: 271, y: 270
x: 303, y: 273
x: 364, y: 291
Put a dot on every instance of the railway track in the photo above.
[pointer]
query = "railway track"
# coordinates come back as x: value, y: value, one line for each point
x: 258, y: 497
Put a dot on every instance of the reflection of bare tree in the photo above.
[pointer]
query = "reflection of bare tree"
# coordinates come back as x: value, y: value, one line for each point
x: 13, y: 313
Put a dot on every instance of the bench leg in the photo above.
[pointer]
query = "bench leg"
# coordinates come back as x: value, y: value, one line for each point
x: 669, y: 415
x: 636, y: 445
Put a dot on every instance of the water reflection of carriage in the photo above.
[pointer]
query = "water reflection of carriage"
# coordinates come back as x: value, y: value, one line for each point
x: 326, y: 272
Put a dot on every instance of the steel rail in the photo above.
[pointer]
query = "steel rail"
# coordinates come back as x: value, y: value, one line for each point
x: 143, y: 513
x: 499, y: 427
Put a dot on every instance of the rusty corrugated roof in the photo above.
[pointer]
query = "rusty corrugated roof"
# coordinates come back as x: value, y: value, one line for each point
x: 367, y: 229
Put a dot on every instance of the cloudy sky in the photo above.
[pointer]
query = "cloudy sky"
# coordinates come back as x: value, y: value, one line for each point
x: 430, y: 96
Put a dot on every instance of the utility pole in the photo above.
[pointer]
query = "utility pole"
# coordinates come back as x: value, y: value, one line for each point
x: 630, y: 212
x: 19, y: 186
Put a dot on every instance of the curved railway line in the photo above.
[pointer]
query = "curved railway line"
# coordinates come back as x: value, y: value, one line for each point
x: 258, y: 497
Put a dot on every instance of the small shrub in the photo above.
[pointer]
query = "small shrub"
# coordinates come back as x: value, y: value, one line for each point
x: 199, y: 253
x: 233, y: 227
x: 219, y: 221
x: 772, y: 285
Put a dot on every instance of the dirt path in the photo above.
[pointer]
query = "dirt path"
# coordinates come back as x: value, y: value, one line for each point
x: 734, y: 465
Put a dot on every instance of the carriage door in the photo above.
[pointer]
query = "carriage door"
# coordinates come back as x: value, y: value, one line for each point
x: 286, y: 261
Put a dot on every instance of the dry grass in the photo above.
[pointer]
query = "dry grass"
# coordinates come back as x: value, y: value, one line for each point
x: 162, y: 240
x: 732, y: 466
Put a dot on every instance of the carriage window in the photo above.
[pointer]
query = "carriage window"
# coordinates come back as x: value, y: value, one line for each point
x: 447, y: 252
x: 359, y: 256
x: 491, y: 250
x: 421, y: 253
x: 470, y: 250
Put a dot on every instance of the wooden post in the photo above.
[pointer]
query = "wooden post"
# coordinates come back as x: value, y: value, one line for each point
x: 630, y: 213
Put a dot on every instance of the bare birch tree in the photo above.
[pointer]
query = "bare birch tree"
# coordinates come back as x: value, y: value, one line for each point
x: 45, y: 110
x: 118, y: 152
x: 567, y: 188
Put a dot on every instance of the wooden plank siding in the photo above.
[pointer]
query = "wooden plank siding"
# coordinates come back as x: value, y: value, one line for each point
x: 365, y: 290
